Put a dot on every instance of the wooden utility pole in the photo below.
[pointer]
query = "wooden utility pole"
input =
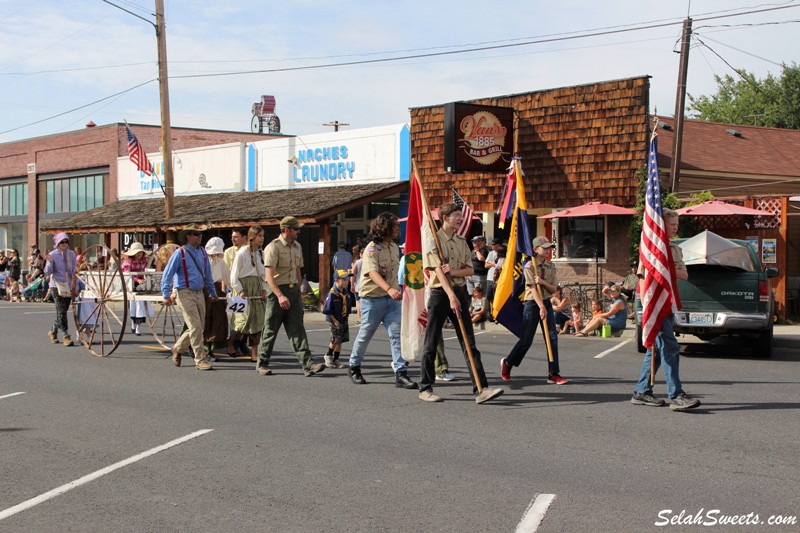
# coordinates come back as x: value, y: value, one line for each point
x: 680, y: 102
x: 163, y: 89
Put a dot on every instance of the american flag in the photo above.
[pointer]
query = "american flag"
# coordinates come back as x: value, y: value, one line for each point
x: 660, y: 298
x: 466, y: 212
x: 137, y: 154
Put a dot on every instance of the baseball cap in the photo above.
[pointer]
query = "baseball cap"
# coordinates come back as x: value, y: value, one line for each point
x: 497, y: 241
x: 542, y: 242
x: 478, y: 238
x: 290, y: 222
x: 342, y: 274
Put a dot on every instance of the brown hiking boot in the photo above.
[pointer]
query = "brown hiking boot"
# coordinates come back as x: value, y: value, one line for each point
x: 204, y: 365
x: 488, y: 394
x: 429, y: 396
x: 313, y: 368
x: 53, y: 336
x: 68, y: 341
x: 176, y: 357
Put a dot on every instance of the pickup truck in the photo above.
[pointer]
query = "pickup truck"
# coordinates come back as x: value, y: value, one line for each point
x: 731, y: 296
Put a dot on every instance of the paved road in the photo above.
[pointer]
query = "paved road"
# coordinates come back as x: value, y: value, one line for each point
x: 288, y: 453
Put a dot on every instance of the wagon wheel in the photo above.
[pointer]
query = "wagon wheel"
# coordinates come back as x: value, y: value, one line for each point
x: 167, y: 324
x: 101, y: 310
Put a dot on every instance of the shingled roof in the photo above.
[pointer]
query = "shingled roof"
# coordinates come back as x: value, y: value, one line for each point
x: 225, y: 209
x: 732, y: 159
x: 577, y: 144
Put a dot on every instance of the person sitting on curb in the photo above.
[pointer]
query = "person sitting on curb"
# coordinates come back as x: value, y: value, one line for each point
x: 616, y: 316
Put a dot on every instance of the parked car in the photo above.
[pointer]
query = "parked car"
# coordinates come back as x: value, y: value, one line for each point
x: 727, y: 293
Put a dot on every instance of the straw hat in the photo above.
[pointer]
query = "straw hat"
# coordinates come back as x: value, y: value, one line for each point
x: 135, y: 248
x: 190, y: 228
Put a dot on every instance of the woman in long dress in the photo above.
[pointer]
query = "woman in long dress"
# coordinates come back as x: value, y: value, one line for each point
x: 136, y: 261
x: 215, y: 332
x: 248, y: 280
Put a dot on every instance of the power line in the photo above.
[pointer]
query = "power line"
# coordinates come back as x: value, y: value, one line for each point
x: 77, y: 108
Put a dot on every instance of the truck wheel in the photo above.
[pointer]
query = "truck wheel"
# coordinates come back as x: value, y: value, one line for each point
x: 639, y: 344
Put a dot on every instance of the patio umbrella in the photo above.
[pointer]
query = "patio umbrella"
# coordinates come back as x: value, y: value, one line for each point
x: 708, y: 248
x: 720, y: 208
x: 592, y: 209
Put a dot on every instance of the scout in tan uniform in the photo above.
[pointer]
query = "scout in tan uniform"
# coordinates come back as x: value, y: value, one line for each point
x: 538, y: 271
x: 283, y: 260
x: 448, y: 296
x: 381, y: 300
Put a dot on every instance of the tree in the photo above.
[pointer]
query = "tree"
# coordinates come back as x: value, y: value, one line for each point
x: 772, y: 102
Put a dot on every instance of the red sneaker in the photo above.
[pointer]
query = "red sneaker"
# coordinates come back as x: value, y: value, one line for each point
x: 505, y: 370
x: 556, y: 379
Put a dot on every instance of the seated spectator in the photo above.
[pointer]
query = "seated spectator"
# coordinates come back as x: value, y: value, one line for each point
x: 479, y: 307
x: 576, y: 319
x: 616, y: 316
x: 560, y: 308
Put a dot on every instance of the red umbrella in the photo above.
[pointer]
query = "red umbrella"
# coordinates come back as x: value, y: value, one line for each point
x: 720, y: 208
x: 592, y: 209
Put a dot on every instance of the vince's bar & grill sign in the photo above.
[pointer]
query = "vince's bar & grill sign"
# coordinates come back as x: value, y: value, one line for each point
x: 477, y: 138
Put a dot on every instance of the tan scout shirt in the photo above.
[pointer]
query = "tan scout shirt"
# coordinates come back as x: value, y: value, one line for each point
x: 457, y: 254
x: 385, y: 260
x: 285, y: 258
x: 677, y: 258
x: 548, y: 273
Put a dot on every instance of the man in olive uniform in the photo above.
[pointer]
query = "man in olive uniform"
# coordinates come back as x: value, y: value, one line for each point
x: 448, y: 297
x: 283, y: 260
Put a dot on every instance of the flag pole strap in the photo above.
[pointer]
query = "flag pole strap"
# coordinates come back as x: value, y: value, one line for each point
x: 435, y: 233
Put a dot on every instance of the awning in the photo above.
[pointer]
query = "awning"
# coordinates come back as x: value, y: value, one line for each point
x: 225, y: 210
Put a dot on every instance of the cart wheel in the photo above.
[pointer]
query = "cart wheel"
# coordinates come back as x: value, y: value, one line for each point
x: 167, y: 324
x: 101, y: 310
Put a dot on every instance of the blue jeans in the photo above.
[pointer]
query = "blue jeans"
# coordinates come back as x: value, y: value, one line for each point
x: 530, y: 321
x: 373, y: 312
x: 668, y: 349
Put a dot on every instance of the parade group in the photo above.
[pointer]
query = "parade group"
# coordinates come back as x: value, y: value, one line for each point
x: 267, y: 280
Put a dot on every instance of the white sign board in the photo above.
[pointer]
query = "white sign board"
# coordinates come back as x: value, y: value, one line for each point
x: 204, y: 170
x: 369, y: 155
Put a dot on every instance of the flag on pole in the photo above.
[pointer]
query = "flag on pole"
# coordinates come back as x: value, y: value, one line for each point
x: 467, y: 214
x: 414, y: 318
x: 660, y: 298
x: 507, y: 303
x: 137, y: 154
x: 509, y: 190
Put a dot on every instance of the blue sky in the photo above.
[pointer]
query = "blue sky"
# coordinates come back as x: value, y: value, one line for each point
x: 58, y: 55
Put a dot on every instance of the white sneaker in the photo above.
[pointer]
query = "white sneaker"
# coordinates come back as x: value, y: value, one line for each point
x: 136, y: 330
x: 445, y: 376
x: 329, y: 361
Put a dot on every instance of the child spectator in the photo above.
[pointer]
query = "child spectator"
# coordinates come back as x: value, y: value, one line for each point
x: 479, y: 307
x: 337, y: 307
x: 576, y: 320
x: 597, y: 308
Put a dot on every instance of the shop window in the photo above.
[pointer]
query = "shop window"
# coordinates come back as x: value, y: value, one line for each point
x: 581, y: 238
x: 74, y: 194
x: 14, y: 200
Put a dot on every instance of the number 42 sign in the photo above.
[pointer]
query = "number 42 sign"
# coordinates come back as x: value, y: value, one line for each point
x: 237, y: 304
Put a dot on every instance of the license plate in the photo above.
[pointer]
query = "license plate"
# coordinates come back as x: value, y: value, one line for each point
x: 701, y: 318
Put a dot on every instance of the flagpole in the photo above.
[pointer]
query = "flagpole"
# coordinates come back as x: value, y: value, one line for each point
x: 435, y: 234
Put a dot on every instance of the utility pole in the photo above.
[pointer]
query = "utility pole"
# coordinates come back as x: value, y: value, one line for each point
x: 335, y: 124
x: 680, y: 102
x: 163, y: 89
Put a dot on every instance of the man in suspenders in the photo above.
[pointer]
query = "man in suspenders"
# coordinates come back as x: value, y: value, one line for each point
x: 191, y: 270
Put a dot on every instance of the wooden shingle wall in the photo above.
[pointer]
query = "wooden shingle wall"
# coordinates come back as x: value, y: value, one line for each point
x: 577, y: 144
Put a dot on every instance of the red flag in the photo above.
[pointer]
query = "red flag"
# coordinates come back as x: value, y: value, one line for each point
x: 660, y: 298
x: 137, y: 154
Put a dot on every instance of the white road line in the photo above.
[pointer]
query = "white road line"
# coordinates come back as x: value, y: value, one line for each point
x: 95, y: 475
x: 456, y: 337
x: 38, y: 312
x: 535, y: 513
x: 617, y: 347
x: 10, y: 395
